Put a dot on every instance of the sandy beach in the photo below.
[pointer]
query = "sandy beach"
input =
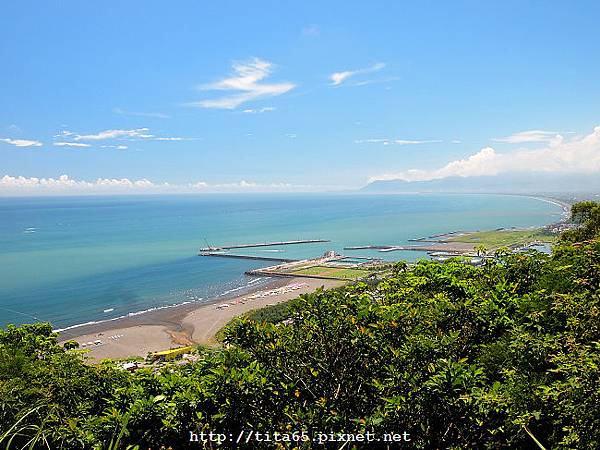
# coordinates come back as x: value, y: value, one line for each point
x: 185, y: 325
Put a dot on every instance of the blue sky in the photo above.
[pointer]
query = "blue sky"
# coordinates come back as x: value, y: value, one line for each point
x: 219, y: 96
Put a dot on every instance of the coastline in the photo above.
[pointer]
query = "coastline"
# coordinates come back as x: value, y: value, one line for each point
x: 186, y: 324
x: 190, y: 322
x: 105, y: 323
x: 565, y: 206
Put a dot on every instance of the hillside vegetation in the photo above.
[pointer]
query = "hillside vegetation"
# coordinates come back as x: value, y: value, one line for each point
x: 506, y: 355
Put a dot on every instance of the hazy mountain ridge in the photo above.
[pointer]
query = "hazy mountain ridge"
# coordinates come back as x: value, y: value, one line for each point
x: 521, y: 183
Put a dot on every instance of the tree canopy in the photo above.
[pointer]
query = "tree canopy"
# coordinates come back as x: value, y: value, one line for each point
x: 587, y: 215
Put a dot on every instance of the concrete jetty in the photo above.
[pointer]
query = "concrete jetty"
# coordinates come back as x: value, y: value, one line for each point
x: 368, y: 247
x: 259, y: 258
x: 263, y: 244
x: 382, y: 248
x: 449, y: 247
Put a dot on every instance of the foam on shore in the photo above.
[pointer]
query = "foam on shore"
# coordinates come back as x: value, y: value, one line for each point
x: 251, y: 286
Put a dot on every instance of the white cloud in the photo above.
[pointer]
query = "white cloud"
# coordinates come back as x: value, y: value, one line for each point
x: 130, y: 135
x: 581, y: 154
x: 154, y: 115
x: 530, y: 136
x: 259, y: 110
x: 246, y: 80
x: 70, y: 144
x: 64, y: 134
x: 65, y: 185
x: 10, y: 184
x: 413, y: 142
x: 337, y: 78
x: 22, y: 142
x: 397, y: 141
x: 141, y: 133
x: 250, y: 186
x: 118, y: 147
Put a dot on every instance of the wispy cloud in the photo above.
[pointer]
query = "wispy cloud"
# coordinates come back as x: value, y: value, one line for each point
x: 373, y: 141
x: 172, y: 139
x: 259, y: 110
x: 337, y: 78
x: 251, y: 186
x: 22, y: 142
x: 414, y: 142
x: 64, y: 134
x: 246, y: 80
x: 581, y: 154
x: 397, y: 141
x: 154, y: 115
x: 311, y: 30
x: 375, y: 81
x: 117, y: 147
x: 248, y: 186
x: 71, y: 137
x: 141, y: 133
x: 70, y: 144
x: 530, y: 136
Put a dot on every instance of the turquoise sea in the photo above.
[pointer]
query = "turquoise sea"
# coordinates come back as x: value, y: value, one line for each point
x: 76, y: 260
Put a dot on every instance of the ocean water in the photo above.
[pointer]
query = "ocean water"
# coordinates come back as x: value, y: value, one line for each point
x: 75, y: 260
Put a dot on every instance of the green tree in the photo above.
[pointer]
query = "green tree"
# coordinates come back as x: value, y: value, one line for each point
x: 587, y: 216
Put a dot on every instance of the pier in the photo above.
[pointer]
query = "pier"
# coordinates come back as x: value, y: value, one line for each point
x: 259, y: 258
x: 368, y: 247
x: 383, y: 248
x: 263, y: 244
x: 436, y: 238
x: 459, y: 248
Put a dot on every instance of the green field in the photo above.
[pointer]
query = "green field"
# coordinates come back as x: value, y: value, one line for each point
x: 332, y: 272
x: 504, y: 238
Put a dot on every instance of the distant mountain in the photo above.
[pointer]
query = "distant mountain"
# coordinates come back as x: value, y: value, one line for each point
x: 513, y: 183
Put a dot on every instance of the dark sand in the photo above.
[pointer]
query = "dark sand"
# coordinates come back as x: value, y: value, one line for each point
x: 193, y: 323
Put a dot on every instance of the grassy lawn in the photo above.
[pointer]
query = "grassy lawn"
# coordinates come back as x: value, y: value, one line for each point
x: 334, y: 272
x: 504, y: 238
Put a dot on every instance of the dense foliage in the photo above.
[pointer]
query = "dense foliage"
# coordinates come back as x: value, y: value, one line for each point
x: 587, y: 215
x: 506, y: 355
